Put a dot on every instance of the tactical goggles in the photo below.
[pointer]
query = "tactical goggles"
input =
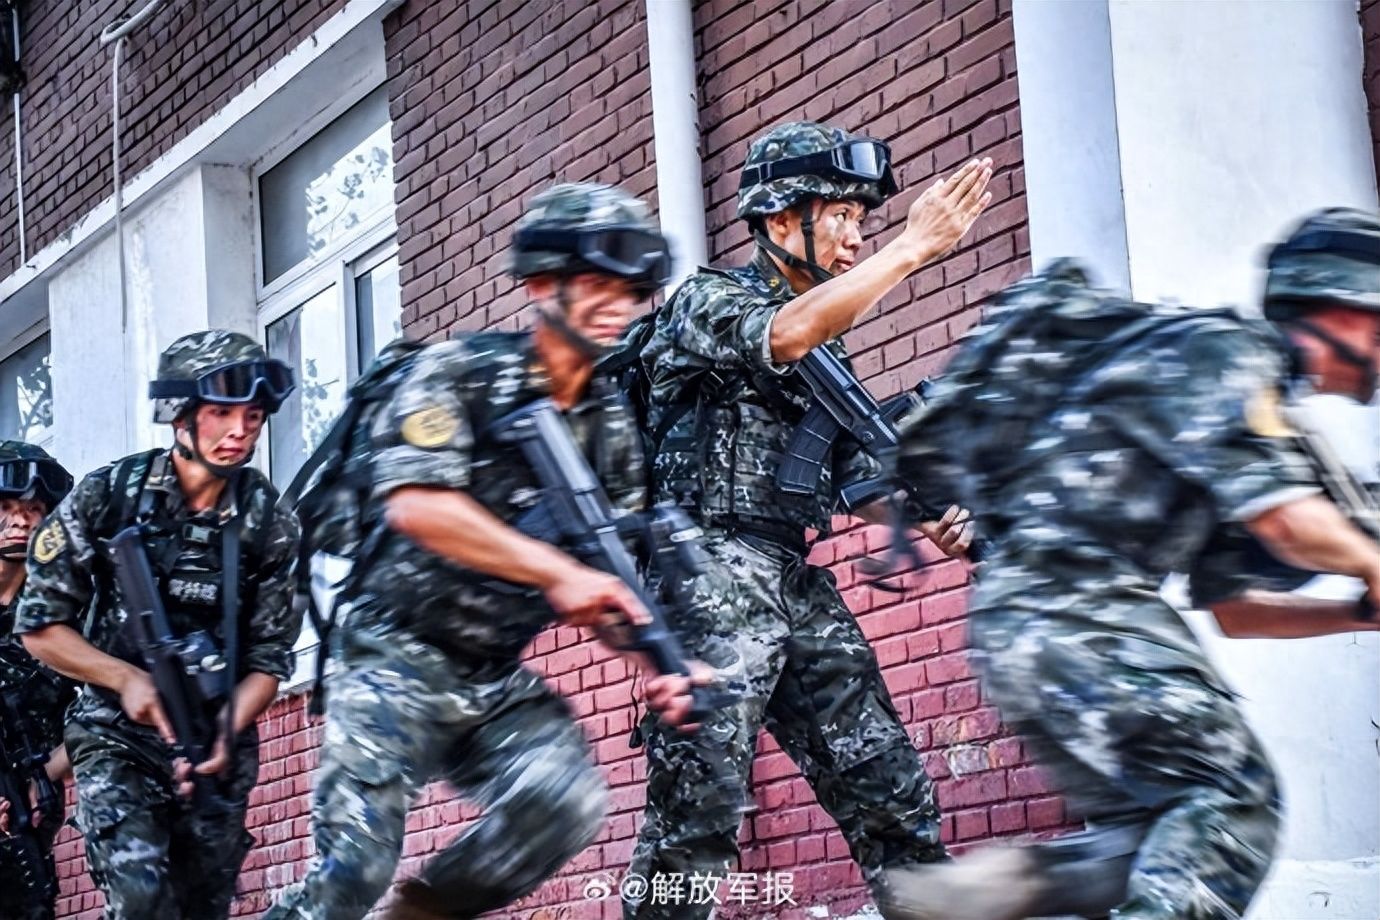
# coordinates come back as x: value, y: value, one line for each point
x: 627, y: 252
x: 267, y: 382
x: 1364, y: 247
x: 19, y: 477
x: 862, y: 160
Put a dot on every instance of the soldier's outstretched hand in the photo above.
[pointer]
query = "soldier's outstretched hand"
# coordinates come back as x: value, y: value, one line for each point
x: 582, y: 596
x: 945, y: 211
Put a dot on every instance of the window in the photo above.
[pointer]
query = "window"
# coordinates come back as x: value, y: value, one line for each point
x: 26, y: 393
x: 329, y: 298
x: 329, y: 295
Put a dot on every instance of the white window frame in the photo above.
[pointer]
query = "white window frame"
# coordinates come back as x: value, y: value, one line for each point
x: 17, y: 344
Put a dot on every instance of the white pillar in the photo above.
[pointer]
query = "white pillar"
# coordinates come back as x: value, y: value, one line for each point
x: 1229, y: 121
x: 189, y: 261
x: 675, y: 126
x: 1069, y: 137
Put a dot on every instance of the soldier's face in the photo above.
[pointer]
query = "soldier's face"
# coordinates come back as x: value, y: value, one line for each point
x: 599, y: 307
x: 837, y: 232
x: 225, y: 434
x: 18, y: 518
x: 1359, y: 330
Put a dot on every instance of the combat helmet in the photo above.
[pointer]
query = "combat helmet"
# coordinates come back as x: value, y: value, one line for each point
x: 1331, y: 259
x: 802, y: 160
x: 219, y: 367
x: 579, y: 227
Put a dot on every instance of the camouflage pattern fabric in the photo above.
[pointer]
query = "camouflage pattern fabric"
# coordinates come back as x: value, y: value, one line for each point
x: 782, y: 640
x: 400, y: 714
x: 1305, y: 275
x: 44, y: 695
x: 797, y: 139
x: 429, y: 685
x: 149, y: 852
x: 123, y: 769
x: 719, y: 459
x: 1163, y: 449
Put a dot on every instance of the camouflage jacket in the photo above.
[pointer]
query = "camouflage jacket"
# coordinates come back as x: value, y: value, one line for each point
x: 71, y: 578
x: 728, y: 410
x: 1150, y: 468
x: 43, y: 694
x: 433, y: 432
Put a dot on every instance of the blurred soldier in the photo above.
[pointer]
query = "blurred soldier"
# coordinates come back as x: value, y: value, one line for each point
x: 31, y: 485
x: 722, y: 405
x: 150, y: 851
x: 446, y: 592
x: 1116, y: 443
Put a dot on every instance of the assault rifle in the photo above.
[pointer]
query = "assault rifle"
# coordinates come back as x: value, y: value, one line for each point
x: 842, y: 405
x: 574, y: 513
x: 21, y: 763
x: 189, y: 673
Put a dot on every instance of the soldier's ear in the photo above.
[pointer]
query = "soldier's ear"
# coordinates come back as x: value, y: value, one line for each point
x: 540, y: 287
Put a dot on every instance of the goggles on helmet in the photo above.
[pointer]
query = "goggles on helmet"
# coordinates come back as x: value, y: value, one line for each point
x: 862, y: 160
x: 19, y: 477
x: 627, y: 252
x: 268, y: 382
x: 1362, y: 246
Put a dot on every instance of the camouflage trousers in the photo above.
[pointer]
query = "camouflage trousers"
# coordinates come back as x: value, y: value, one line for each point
x: 781, y: 637
x: 17, y: 902
x: 1135, y: 730
x: 151, y: 854
x: 399, y: 714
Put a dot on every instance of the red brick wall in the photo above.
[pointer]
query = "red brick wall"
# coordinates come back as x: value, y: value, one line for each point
x: 1370, y: 31
x: 491, y: 102
x: 179, y: 68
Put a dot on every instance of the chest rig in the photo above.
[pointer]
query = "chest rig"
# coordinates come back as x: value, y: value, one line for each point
x: 197, y: 562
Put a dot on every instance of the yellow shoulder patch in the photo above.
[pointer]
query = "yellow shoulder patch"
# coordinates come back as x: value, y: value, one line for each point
x: 428, y: 428
x: 50, y: 542
x: 1264, y: 416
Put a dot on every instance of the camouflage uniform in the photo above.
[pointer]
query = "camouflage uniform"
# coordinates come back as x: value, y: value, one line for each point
x: 152, y: 854
x: 1150, y: 468
x: 44, y: 695
x: 775, y: 626
x: 429, y: 684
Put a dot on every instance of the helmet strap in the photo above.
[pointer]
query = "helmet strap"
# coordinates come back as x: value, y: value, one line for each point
x: 223, y: 470
x: 559, y: 322
x: 807, y: 229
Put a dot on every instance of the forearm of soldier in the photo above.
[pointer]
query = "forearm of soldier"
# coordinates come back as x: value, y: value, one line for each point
x: 828, y: 310
x: 1274, y: 615
x: 1312, y: 533
x: 255, y: 693
x: 454, y: 525
x: 59, y: 765
x: 66, y: 651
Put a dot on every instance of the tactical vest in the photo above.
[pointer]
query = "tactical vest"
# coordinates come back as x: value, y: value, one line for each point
x: 188, y: 558
x: 717, y: 448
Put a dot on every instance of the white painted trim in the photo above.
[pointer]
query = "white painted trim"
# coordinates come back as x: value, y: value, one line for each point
x: 30, y: 335
x: 676, y: 134
x: 202, y: 141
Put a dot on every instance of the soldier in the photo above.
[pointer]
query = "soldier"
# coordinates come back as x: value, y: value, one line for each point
x: 722, y: 405
x: 31, y: 485
x: 447, y: 591
x: 1172, y: 451
x: 149, y: 850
